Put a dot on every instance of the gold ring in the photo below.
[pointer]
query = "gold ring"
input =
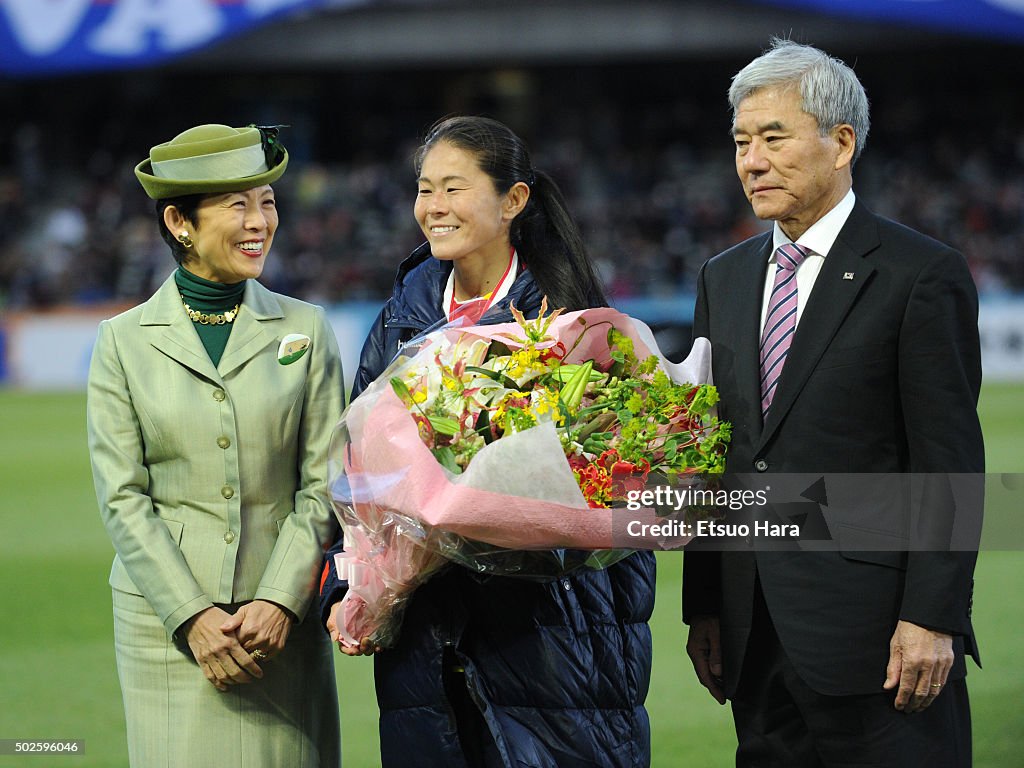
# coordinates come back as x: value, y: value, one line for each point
x: 936, y: 685
x: 258, y: 655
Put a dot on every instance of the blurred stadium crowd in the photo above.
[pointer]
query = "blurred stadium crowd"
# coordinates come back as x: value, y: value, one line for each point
x: 650, y: 179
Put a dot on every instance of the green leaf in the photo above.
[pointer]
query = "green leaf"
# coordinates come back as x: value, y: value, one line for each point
x: 692, y: 457
x: 446, y: 458
x: 444, y: 425
x: 483, y: 426
x: 564, y: 412
x: 498, y: 349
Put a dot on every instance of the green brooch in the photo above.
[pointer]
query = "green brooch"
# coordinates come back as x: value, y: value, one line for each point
x: 293, y: 346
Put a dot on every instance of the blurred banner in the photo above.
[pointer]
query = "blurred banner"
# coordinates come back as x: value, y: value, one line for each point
x: 1001, y: 18
x: 51, y: 36
x: 51, y: 350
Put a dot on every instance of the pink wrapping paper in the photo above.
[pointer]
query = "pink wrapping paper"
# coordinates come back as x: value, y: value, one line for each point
x: 399, y: 507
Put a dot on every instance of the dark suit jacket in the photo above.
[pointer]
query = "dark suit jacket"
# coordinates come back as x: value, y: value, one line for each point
x: 882, y: 377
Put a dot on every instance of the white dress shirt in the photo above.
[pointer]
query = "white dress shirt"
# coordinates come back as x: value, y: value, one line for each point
x: 819, y: 239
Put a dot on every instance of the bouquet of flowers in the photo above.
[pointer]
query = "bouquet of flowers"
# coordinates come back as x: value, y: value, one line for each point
x: 504, y: 448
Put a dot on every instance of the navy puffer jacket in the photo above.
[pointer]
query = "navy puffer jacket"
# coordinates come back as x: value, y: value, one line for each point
x: 560, y: 669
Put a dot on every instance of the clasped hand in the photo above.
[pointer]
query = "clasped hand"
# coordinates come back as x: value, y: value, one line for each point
x: 223, y: 643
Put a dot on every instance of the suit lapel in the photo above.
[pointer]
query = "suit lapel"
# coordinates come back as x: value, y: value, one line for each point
x: 749, y: 295
x: 834, y: 294
x: 252, y: 332
x: 172, y: 331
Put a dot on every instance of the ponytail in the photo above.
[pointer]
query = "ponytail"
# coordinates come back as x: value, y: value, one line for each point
x: 550, y: 242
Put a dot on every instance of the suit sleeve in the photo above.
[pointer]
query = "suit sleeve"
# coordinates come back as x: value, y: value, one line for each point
x: 143, y: 542
x: 290, y: 578
x: 940, y: 379
x: 702, y: 588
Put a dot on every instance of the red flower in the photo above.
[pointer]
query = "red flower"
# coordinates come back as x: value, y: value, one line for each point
x: 625, y: 476
x: 577, y: 462
x: 557, y: 352
x: 595, y: 482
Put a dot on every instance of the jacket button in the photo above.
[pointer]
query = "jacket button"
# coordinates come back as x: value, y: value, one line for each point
x: 567, y: 585
x: 229, y: 537
x: 223, y: 441
x: 218, y: 395
x: 760, y: 465
x: 227, y: 491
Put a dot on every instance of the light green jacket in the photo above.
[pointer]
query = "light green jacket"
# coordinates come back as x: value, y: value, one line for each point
x: 211, y: 481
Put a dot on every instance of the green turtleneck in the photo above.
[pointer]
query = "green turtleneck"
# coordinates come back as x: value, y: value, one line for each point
x: 209, y: 297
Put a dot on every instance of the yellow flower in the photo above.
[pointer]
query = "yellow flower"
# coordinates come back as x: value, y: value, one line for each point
x: 544, y: 402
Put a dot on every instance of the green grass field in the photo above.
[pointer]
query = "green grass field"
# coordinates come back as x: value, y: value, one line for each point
x: 57, y: 662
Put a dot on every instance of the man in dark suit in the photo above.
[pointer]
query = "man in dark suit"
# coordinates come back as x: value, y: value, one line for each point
x: 842, y: 343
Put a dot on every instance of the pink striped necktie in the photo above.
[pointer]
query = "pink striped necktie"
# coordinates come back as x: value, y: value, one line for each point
x: 780, y: 322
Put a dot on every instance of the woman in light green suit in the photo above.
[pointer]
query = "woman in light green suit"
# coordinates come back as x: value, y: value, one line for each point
x: 210, y: 409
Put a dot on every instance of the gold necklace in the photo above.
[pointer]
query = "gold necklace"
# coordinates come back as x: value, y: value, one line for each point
x: 221, y: 318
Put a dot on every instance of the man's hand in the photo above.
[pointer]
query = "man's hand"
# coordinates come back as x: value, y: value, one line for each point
x: 703, y: 645
x: 919, y: 661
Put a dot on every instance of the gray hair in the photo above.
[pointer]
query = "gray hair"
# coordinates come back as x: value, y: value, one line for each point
x: 829, y: 90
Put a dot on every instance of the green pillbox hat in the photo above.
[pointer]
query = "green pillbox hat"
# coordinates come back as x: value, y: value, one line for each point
x: 209, y: 159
